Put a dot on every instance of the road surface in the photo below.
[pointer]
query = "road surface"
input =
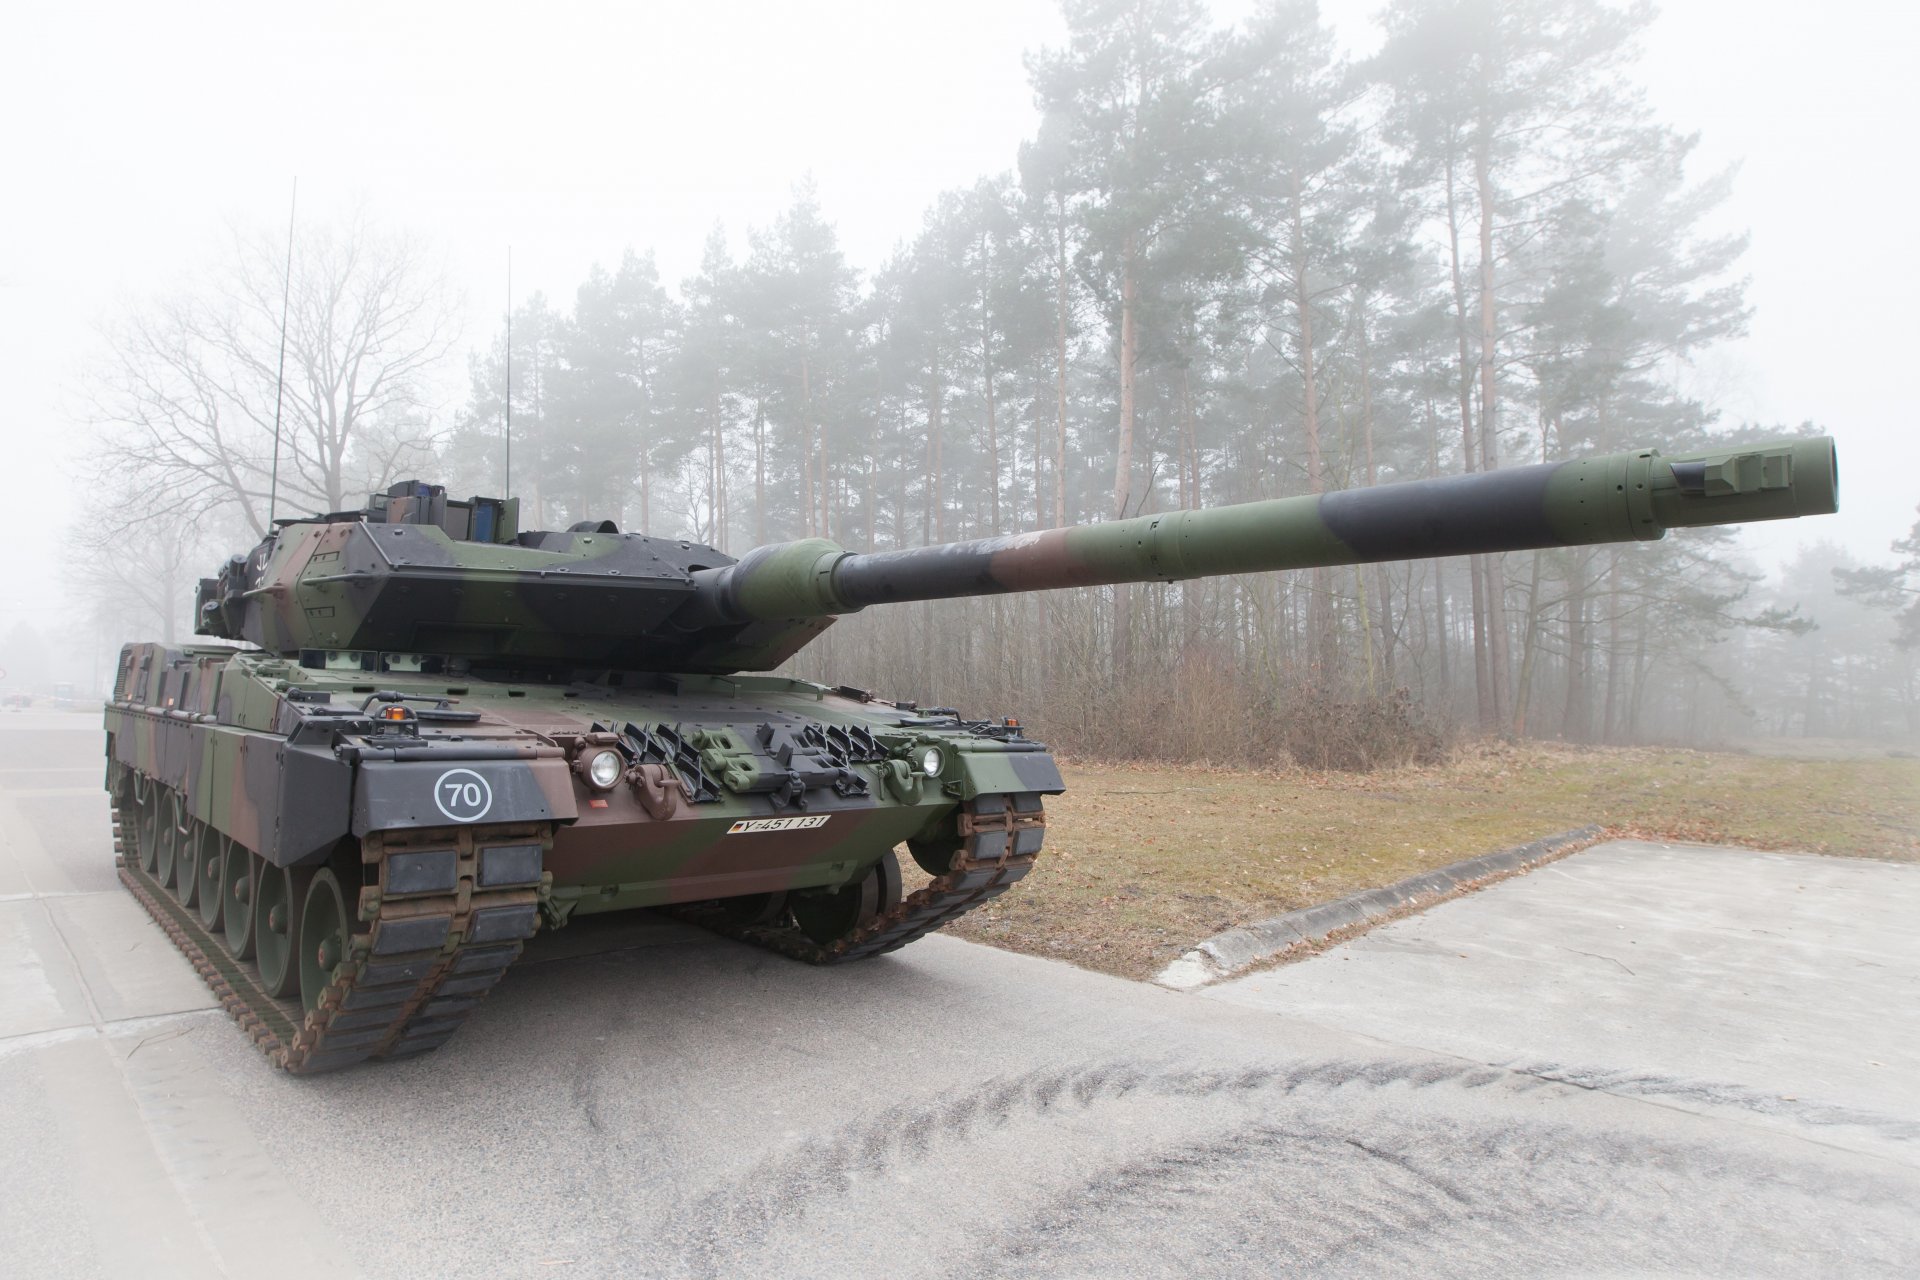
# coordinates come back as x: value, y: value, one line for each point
x: 1636, y: 1060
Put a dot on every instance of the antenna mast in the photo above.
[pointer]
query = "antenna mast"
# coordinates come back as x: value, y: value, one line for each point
x: 280, y: 380
x: 506, y: 481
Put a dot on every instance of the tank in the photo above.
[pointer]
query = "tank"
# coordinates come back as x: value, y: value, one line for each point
x: 430, y: 734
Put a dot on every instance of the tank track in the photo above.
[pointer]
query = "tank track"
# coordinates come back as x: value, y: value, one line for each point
x: 1000, y: 837
x: 391, y: 996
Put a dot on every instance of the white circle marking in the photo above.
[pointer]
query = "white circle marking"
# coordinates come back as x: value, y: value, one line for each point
x: 463, y: 795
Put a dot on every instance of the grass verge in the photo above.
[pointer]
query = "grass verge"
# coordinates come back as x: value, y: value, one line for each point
x: 1142, y: 861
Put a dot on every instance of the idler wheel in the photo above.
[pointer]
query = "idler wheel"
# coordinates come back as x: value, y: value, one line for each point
x: 276, y: 927
x: 188, y: 856
x: 172, y: 832
x: 828, y: 915
x: 239, y: 874
x: 214, y: 851
x: 325, y: 935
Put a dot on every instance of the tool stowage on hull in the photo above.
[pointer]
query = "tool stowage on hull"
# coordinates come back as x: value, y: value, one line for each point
x: 448, y: 733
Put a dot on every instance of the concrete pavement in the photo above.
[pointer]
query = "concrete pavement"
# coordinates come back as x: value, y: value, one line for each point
x: 1785, y: 985
x: 638, y: 1098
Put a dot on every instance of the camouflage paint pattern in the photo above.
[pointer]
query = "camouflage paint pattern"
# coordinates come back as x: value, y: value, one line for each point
x: 551, y: 648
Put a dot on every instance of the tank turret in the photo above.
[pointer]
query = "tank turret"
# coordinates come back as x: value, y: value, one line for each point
x: 417, y: 573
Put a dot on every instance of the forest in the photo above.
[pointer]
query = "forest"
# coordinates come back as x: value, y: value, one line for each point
x: 1229, y: 264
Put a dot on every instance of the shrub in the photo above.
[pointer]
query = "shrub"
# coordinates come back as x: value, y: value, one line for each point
x: 1358, y: 732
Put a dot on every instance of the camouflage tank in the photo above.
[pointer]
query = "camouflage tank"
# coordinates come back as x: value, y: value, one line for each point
x: 448, y: 733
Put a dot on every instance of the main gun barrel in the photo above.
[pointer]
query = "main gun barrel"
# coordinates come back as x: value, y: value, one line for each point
x: 1619, y: 497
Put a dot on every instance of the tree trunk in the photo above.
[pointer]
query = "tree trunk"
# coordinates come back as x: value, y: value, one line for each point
x: 1060, y: 369
x: 1497, y: 660
x: 1381, y: 583
x: 1189, y: 497
x: 1189, y: 479
x: 1123, y: 447
x: 806, y: 445
x: 1439, y: 570
x: 873, y: 504
x: 1610, y: 714
x: 1576, y: 721
x: 1043, y: 615
x: 646, y: 497
x: 1482, y: 675
x: 986, y: 374
x: 719, y: 476
x: 936, y: 500
x: 1638, y: 697
x: 1320, y: 599
x: 1129, y: 349
x: 1039, y: 453
x: 1528, y: 647
x: 760, y: 473
x: 1530, y: 642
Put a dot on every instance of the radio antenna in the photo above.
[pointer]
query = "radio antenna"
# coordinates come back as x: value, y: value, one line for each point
x: 280, y: 379
x: 506, y: 480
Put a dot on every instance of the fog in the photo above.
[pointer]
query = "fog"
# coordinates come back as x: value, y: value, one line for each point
x: 139, y: 137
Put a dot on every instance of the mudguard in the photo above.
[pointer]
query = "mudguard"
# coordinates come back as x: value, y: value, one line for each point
x: 396, y: 794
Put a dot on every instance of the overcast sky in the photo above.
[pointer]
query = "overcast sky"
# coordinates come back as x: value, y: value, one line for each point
x: 134, y: 132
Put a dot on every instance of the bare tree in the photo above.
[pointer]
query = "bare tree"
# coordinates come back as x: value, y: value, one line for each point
x: 138, y: 582
x: 186, y: 392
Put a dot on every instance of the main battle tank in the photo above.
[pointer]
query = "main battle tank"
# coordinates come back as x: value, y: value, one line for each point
x: 449, y: 733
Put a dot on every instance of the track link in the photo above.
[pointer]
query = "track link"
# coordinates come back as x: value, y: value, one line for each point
x: 1000, y: 837
x: 416, y: 968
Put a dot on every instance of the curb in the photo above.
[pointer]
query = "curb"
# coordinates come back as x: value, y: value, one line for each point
x: 1227, y: 953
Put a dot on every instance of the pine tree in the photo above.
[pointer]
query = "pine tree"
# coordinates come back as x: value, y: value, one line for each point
x: 796, y: 298
x: 613, y: 351
x: 1132, y: 121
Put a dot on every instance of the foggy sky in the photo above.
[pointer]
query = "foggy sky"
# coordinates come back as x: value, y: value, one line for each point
x: 134, y: 133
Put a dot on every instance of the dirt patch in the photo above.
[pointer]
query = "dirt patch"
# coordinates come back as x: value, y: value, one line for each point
x: 1142, y: 861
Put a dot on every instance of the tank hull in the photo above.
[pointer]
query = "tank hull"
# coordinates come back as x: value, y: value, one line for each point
x: 402, y: 791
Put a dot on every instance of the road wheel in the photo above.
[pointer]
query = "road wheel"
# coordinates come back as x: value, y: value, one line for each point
x: 828, y: 915
x: 239, y: 873
x: 276, y: 927
x: 326, y: 935
x: 214, y: 850
x: 186, y: 863
x: 167, y: 858
x: 146, y: 828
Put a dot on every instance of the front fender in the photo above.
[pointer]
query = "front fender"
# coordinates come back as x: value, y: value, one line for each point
x: 393, y: 794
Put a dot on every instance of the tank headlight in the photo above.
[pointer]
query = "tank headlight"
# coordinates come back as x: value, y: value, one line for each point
x: 932, y: 761
x: 605, y: 769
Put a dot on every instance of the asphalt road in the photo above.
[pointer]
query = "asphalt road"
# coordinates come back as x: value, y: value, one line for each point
x: 1635, y: 1061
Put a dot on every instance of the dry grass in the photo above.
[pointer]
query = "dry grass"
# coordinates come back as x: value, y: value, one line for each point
x: 1144, y: 860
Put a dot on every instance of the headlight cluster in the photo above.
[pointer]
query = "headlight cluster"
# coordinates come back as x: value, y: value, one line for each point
x: 604, y: 769
x: 932, y: 761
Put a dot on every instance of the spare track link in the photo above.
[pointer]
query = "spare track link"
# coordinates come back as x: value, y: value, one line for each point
x: 418, y: 963
x: 1000, y: 839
